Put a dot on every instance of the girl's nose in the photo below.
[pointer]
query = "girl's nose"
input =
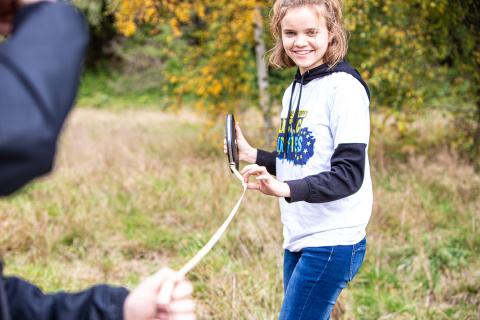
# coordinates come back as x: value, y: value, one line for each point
x: 300, y: 41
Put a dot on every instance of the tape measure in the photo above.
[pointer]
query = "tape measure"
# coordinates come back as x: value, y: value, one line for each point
x: 233, y: 162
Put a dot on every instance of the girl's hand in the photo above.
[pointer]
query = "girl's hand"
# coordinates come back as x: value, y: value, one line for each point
x: 265, y: 183
x: 245, y: 151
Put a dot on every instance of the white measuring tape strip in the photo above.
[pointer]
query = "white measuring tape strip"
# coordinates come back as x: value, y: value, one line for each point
x: 164, y: 297
x: 203, y: 252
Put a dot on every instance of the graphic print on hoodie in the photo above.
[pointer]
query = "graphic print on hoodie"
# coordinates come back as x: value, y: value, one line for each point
x: 300, y: 141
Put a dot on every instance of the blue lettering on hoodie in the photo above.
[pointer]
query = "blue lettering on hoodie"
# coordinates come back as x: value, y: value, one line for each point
x: 300, y: 144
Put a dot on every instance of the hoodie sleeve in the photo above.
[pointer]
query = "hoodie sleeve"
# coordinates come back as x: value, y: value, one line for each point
x: 344, y: 179
x: 268, y: 160
x: 40, y: 66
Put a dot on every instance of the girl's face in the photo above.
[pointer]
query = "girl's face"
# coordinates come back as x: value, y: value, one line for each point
x: 305, y: 36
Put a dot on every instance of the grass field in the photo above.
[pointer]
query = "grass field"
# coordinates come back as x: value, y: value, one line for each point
x: 136, y: 190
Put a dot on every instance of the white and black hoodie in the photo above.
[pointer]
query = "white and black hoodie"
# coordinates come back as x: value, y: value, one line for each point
x: 322, y: 155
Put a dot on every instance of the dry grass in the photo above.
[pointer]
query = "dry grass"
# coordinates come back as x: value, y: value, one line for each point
x: 136, y: 190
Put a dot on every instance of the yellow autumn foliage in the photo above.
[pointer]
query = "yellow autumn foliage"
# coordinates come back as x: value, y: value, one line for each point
x: 220, y: 68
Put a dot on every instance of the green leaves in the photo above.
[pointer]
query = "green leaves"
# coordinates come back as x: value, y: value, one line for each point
x: 413, y: 54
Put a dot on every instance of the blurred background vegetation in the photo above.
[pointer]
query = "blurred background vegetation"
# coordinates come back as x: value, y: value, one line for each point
x: 417, y: 56
x: 141, y: 180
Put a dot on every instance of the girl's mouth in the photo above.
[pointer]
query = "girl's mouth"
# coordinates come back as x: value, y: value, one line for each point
x: 302, y: 52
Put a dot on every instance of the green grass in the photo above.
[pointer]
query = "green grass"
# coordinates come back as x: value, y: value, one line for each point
x: 105, y: 88
x: 136, y: 190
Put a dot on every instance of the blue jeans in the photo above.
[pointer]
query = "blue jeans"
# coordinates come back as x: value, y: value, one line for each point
x: 314, y: 277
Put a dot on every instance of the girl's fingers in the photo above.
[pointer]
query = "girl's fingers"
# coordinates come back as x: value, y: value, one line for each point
x: 253, y: 186
x: 263, y: 177
x: 254, y: 169
x: 248, y: 173
x: 260, y: 172
x: 247, y: 169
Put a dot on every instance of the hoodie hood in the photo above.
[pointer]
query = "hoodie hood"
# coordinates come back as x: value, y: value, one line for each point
x: 323, y: 70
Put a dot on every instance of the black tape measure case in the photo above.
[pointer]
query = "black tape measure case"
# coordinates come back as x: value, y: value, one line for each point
x: 231, y: 139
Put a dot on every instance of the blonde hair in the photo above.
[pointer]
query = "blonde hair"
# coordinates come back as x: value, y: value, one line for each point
x: 331, y: 10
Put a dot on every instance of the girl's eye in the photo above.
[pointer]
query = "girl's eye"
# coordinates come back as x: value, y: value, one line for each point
x: 311, y: 33
x: 289, y: 33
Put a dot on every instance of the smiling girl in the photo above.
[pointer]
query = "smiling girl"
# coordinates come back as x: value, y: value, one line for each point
x: 321, y: 160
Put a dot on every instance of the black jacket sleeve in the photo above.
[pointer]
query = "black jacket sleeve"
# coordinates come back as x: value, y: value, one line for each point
x: 40, y: 66
x: 267, y: 160
x: 99, y: 302
x: 347, y: 170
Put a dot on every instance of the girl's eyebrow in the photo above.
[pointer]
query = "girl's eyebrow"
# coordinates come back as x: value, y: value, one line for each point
x: 306, y: 29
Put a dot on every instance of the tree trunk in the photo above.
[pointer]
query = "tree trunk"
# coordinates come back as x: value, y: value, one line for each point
x: 476, y: 85
x: 476, y: 136
x: 262, y: 75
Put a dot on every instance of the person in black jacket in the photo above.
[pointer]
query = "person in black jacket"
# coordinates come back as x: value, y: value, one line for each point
x: 40, y: 66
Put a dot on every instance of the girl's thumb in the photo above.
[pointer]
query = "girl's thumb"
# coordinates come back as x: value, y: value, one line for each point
x: 239, y: 131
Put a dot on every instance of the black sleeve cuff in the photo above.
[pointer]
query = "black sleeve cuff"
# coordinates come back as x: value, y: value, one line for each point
x: 299, y: 190
x: 267, y: 160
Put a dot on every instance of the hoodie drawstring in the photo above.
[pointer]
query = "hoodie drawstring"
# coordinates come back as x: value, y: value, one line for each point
x: 295, y: 115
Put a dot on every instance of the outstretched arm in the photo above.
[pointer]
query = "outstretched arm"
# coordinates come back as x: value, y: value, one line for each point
x: 26, y: 301
x: 146, y: 302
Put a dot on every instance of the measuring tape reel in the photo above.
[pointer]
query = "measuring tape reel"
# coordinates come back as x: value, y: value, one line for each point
x: 231, y: 140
